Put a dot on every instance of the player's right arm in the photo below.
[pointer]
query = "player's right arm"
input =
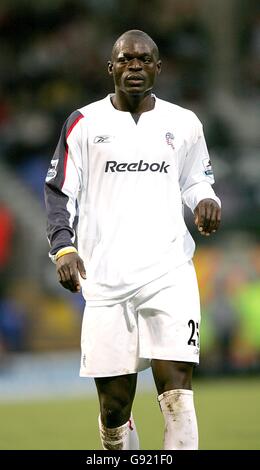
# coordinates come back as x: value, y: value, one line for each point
x: 62, y: 186
x: 67, y: 267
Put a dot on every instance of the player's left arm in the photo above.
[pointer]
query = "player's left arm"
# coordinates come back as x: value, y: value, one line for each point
x: 207, y: 216
x: 196, y: 179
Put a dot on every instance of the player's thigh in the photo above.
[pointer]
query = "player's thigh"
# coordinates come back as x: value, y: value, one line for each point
x: 109, y: 341
x: 169, y: 320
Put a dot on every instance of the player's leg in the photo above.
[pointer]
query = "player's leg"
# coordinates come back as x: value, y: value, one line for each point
x: 171, y: 375
x: 169, y: 334
x: 175, y: 396
x: 116, y: 425
x: 109, y: 344
x: 116, y: 395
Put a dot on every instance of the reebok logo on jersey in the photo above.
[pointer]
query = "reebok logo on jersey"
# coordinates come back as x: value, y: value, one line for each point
x: 102, y: 139
x: 113, y: 166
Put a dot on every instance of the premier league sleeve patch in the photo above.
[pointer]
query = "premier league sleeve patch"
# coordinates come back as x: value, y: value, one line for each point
x: 207, y: 167
x: 52, y: 172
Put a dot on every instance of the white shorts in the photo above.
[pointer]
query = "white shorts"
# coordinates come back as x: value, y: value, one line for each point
x: 161, y: 321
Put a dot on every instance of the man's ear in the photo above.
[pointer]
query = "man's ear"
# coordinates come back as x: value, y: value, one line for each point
x: 159, y: 66
x: 110, y: 67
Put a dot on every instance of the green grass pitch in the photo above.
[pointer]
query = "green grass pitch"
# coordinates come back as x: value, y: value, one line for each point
x: 228, y: 415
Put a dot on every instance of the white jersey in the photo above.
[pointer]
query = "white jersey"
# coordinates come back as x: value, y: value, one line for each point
x: 127, y: 183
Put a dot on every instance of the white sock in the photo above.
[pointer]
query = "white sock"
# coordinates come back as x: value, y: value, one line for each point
x: 124, y: 437
x: 181, y: 431
x: 133, y: 436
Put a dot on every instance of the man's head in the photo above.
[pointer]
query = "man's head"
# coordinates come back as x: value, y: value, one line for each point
x: 134, y: 63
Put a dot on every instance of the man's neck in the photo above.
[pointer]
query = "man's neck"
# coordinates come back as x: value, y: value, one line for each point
x: 133, y: 104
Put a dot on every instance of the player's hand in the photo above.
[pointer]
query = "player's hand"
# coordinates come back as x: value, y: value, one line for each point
x: 68, y: 268
x: 207, y: 216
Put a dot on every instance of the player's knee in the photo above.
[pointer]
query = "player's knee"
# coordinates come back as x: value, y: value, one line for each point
x: 182, y: 375
x: 114, y: 412
x: 171, y: 375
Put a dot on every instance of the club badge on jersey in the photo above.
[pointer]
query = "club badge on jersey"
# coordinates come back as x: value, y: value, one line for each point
x: 169, y: 139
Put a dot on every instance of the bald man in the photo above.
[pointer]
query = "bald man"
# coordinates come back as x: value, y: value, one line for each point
x: 125, y: 165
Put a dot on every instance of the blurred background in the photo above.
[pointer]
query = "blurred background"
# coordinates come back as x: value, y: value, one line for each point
x: 53, y: 60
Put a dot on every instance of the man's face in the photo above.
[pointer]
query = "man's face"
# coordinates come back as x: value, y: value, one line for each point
x: 134, y: 66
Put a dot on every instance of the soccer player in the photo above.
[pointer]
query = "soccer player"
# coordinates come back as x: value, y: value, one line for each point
x: 123, y: 168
